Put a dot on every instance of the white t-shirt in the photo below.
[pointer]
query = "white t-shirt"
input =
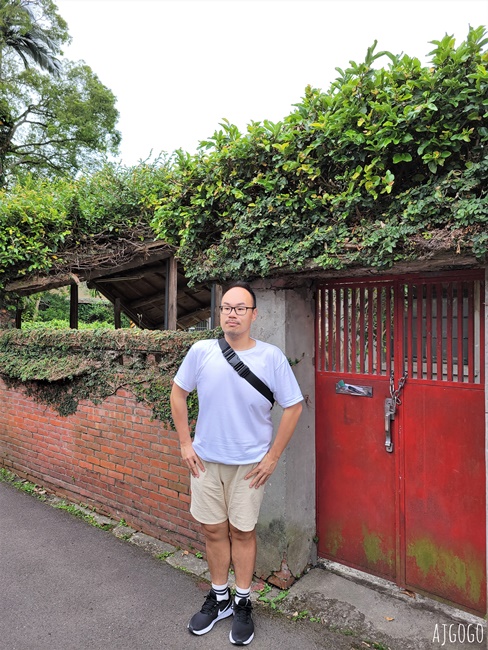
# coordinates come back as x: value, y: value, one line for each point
x: 234, y: 424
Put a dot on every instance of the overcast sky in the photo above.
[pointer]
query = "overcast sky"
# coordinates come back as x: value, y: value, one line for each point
x: 177, y: 67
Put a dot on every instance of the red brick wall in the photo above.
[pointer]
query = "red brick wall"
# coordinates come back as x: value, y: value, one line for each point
x: 110, y: 456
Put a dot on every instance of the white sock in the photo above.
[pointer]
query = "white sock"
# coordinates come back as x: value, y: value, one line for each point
x: 242, y: 593
x: 221, y: 591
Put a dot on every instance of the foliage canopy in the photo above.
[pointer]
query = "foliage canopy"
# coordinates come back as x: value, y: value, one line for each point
x: 391, y: 162
x: 56, y: 117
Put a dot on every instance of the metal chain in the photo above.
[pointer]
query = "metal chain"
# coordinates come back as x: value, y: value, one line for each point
x: 395, y: 394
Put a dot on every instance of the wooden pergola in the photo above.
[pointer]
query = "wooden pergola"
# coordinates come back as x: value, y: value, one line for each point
x: 150, y: 288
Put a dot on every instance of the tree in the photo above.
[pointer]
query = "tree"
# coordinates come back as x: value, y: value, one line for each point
x: 20, y: 32
x: 50, y: 124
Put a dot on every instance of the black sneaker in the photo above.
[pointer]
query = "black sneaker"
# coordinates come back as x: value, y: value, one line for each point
x: 211, y: 612
x: 242, y: 631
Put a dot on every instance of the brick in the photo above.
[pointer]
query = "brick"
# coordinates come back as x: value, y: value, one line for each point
x: 111, y: 456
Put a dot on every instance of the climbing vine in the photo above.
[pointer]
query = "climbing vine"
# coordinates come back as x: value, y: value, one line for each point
x: 60, y: 368
x: 389, y: 164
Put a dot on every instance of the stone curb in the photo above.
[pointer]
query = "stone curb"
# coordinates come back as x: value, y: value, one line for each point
x: 182, y: 560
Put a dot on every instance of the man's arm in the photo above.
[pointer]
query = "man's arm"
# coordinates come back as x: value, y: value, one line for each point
x: 261, y: 473
x: 179, y: 411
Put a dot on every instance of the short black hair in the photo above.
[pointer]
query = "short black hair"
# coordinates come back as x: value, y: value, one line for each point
x: 243, y: 285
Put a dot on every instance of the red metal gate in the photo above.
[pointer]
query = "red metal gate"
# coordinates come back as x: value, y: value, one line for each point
x: 401, y: 475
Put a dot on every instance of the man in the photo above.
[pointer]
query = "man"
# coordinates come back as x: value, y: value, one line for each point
x: 232, y: 455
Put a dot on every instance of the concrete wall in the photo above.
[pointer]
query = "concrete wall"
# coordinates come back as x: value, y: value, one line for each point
x: 286, y: 527
x: 486, y: 409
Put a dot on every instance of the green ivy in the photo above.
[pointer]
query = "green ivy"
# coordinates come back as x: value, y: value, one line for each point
x: 387, y: 163
x: 60, y: 368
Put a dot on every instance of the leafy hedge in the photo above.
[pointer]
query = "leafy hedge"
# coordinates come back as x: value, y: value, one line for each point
x: 361, y: 174
x: 389, y: 162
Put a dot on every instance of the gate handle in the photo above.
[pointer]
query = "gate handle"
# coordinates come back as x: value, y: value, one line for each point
x: 390, y: 407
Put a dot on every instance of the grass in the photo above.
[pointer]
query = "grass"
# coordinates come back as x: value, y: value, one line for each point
x: 35, y: 490
x: 25, y: 486
x: 74, y: 510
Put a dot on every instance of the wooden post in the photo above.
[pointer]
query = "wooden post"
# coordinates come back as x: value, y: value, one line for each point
x: 171, y: 303
x: 18, y: 318
x: 73, y: 306
x: 117, y: 316
x: 216, y: 299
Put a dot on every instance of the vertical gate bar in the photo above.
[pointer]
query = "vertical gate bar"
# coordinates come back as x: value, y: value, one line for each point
x: 322, y: 323
x: 388, y: 291
x: 428, y: 330
x: 420, y: 322
x: 337, y: 355
x: 370, y: 330
x: 353, y: 331
x: 460, y: 356
x: 478, y: 323
x: 483, y: 302
x: 438, y: 314
x: 449, y: 333
x: 318, y: 330
x: 330, y: 330
x: 379, y: 328
x: 362, y: 342
x: 409, y: 332
x: 346, y: 318
x: 470, y: 332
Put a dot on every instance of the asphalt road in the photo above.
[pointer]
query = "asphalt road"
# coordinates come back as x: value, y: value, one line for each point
x: 65, y: 585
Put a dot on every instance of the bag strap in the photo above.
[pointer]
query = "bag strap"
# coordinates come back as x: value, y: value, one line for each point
x: 244, y: 371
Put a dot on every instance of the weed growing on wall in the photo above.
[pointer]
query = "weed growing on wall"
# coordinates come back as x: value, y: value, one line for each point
x: 61, y: 368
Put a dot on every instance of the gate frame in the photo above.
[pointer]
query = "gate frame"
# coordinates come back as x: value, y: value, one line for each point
x: 449, y: 274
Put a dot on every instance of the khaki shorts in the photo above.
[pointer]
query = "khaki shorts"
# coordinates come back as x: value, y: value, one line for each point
x: 221, y: 493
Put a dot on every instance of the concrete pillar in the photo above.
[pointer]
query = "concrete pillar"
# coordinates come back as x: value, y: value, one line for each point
x: 486, y: 410
x: 286, y: 527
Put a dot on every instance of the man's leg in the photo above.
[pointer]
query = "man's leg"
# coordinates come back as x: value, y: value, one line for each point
x: 217, y: 543
x: 243, y: 550
x: 218, y: 602
x: 243, y: 555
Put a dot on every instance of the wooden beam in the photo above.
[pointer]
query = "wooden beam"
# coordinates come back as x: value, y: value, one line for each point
x: 216, y: 299
x: 26, y: 287
x: 73, y: 307
x: 117, y: 314
x: 18, y: 318
x: 190, y: 319
x: 137, y: 262
x: 171, y: 303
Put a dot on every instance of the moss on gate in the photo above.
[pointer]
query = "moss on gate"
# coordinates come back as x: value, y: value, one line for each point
x: 465, y: 574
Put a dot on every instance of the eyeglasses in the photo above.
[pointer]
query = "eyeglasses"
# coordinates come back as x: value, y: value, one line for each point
x: 240, y: 310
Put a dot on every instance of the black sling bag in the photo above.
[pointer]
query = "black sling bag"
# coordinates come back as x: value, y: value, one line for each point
x: 245, y: 372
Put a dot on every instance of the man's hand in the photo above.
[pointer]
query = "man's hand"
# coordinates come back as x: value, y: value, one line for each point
x: 261, y: 473
x: 191, y: 460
